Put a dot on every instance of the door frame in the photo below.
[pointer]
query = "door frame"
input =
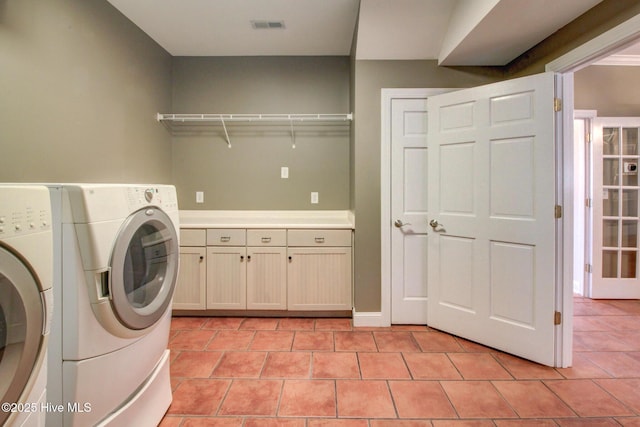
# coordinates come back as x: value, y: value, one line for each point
x: 584, y: 55
x: 385, y: 189
x: 583, y: 214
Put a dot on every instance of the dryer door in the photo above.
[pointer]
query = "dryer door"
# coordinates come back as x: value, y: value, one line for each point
x: 144, y: 268
x: 21, y: 330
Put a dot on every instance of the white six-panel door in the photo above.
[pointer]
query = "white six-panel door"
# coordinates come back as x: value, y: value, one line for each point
x: 491, y: 199
x: 409, y: 210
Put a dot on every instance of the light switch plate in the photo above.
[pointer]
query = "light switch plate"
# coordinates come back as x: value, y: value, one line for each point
x: 199, y: 196
x: 284, y: 172
x: 314, y: 197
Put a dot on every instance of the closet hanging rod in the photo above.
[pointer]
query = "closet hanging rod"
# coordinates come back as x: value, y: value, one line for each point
x: 254, y: 117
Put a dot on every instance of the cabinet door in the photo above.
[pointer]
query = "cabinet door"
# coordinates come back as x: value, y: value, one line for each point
x: 191, y: 287
x: 266, y: 278
x: 319, y: 278
x: 226, y: 278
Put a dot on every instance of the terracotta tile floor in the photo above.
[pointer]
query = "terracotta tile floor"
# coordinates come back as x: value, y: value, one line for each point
x: 251, y: 372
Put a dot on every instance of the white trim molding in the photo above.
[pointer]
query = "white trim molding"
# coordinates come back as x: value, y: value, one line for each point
x: 620, y: 61
x: 597, y: 48
x: 368, y: 319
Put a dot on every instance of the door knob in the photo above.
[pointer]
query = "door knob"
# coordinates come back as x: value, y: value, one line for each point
x: 434, y: 223
x: 398, y: 223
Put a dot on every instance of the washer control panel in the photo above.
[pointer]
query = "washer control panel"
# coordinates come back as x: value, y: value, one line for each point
x: 24, y: 210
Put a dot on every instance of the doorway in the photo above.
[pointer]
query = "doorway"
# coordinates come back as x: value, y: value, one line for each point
x: 604, y: 45
x: 608, y: 43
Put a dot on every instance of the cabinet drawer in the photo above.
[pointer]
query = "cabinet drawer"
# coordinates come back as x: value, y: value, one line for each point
x: 319, y: 237
x: 266, y: 238
x: 193, y: 237
x: 226, y: 237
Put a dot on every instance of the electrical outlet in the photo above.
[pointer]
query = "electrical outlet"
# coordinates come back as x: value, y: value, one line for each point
x: 199, y: 196
x: 284, y: 172
x: 314, y: 197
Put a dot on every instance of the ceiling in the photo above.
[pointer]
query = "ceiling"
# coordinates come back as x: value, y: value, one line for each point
x: 455, y: 32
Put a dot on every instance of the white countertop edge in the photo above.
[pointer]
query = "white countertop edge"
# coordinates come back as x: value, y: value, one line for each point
x: 266, y: 219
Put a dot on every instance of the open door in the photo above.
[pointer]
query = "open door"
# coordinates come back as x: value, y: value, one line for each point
x: 492, y: 205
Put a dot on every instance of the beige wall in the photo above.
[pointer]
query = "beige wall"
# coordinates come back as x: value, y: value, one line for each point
x: 247, y: 176
x: 370, y: 78
x: 612, y: 91
x: 79, y: 89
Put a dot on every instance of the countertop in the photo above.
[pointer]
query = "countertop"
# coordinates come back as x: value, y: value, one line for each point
x: 267, y: 219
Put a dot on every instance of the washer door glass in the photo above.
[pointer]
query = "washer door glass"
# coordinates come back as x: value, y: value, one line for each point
x: 21, y: 325
x: 144, y: 268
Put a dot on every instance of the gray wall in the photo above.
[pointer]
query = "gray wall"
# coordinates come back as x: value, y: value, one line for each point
x: 80, y: 86
x: 613, y: 91
x: 247, y: 176
x: 79, y: 89
x: 370, y: 78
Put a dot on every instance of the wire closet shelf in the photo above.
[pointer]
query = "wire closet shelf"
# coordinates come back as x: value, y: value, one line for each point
x: 255, y: 117
x: 174, y: 121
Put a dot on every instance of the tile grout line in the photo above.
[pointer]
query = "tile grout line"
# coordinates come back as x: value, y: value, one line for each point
x: 593, y: 380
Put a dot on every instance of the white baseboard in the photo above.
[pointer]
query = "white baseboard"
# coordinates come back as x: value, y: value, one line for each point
x: 367, y: 319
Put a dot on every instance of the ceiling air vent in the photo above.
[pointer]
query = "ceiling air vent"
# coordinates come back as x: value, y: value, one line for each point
x: 267, y: 25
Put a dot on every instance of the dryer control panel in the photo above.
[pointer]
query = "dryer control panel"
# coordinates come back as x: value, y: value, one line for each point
x: 163, y: 196
x: 24, y: 210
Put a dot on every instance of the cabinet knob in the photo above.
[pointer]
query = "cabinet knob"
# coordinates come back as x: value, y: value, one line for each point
x: 290, y: 258
x: 201, y: 258
x: 248, y: 257
x: 241, y: 258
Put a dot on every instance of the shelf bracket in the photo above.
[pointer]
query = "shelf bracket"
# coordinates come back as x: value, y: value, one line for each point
x: 226, y: 134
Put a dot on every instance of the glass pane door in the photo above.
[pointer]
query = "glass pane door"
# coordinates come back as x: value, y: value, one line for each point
x: 616, y: 212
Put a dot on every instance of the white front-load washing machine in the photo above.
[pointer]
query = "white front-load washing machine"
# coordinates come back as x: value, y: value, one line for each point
x: 117, y: 265
x: 26, y: 304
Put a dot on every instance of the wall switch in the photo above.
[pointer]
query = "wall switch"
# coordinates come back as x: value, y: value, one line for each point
x: 314, y: 197
x: 284, y: 172
x: 199, y: 196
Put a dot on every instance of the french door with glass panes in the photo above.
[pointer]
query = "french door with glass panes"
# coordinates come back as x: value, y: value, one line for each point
x: 615, y: 208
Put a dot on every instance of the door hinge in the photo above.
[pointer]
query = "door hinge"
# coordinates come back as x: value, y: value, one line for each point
x: 558, y: 211
x: 557, y: 318
x: 587, y: 268
x: 587, y: 202
x: 557, y: 104
x: 587, y: 137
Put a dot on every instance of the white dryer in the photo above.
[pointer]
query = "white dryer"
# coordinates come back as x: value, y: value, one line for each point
x: 26, y: 304
x: 117, y: 267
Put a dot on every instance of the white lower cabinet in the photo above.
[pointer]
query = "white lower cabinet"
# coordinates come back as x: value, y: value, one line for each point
x: 191, y: 284
x: 319, y: 278
x: 226, y: 278
x: 266, y: 278
x: 191, y: 287
x: 255, y: 269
